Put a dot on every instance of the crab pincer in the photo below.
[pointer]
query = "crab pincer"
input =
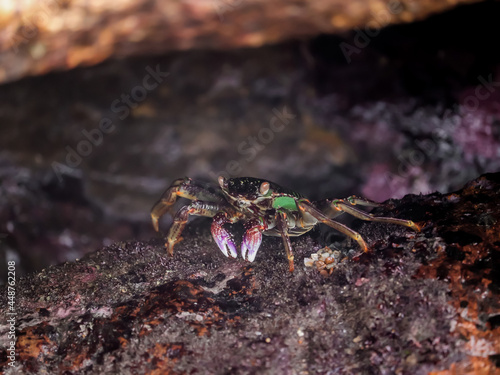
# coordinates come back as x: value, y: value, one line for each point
x: 252, y: 239
x: 223, y: 238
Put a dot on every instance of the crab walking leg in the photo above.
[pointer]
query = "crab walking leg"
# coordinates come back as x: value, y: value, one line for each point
x: 281, y: 224
x: 222, y: 237
x: 167, y: 199
x: 252, y: 238
x: 340, y: 205
x: 198, y: 208
x: 306, y: 206
x: 329, y: 206
x: 184, y: 188
x: 361, y: 201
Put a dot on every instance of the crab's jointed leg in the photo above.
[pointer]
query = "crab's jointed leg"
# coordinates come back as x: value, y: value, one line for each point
x: 329, y: 208
x: 252, y: 238
x: 207, y: 201
x: 185, y: 188
x: 281, y: 224
x: 306, y: 206
x: 341, y: 205
x: 353, y: 199
x: 197, y: 208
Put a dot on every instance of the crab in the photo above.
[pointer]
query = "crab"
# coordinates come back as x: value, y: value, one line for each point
x: 264, y: 207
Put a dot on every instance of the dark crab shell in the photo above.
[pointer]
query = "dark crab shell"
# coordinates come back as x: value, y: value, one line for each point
x: 248, y: 188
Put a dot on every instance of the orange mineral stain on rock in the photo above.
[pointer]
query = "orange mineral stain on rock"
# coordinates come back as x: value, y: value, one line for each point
x: 467, y: 265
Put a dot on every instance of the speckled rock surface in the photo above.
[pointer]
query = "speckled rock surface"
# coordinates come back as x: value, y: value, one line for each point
x: 417, y: 303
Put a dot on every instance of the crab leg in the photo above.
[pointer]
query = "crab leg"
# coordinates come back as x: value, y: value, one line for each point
x: 198, y: 208
x: 185, y: 188
x: 281, y: 224
x: 306, y: 206
x: 329, y: 207
x: 252, y: 238
x: 361, y: 201
x: 342, y: 206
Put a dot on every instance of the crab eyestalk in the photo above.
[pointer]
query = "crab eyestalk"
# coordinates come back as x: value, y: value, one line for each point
x: 222, y: 182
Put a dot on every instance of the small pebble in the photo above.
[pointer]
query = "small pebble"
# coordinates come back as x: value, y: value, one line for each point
x: 324, y: 260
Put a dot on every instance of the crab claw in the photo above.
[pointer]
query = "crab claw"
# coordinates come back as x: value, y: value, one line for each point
x: 226, y: 244
x: 251, y: 243
x: 251, y: 240
x: 222, y: 237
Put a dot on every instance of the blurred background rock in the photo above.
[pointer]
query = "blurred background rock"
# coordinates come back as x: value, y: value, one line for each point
x: 330, y: 98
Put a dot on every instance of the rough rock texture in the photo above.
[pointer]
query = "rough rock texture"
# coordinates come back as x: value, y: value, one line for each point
x: 409, y: 113
x: 417, y: 303
x: 41, y: 36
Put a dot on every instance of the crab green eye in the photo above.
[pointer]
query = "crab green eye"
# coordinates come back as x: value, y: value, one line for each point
x: 264, y: 188
x: 221, y: 181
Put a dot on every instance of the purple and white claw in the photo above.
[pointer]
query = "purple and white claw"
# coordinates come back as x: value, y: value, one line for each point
x: 251, y: 243
x: 226, y: 244
x: 222, y: 237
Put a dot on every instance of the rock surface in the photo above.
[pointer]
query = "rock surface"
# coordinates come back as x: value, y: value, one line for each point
x: 38, y: 37
x: 417, y: 303
x: 415, y: 110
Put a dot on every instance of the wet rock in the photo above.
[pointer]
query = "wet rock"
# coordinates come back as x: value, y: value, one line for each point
x: 416, y: 303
